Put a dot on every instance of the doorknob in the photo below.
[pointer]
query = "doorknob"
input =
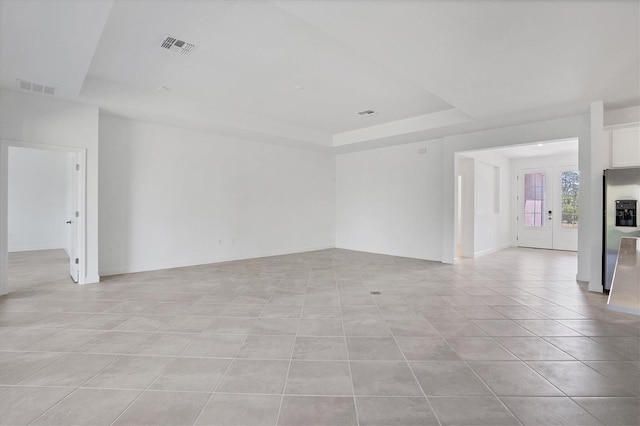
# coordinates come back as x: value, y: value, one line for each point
x: 69, y: 222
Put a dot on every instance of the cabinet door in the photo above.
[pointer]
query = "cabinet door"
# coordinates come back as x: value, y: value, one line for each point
x: 625, y: 147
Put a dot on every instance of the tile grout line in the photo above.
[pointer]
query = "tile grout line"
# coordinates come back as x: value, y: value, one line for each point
x: 409, y: 365
x: 175, y: 358
x: 530, y: 367
x: 141, y: 393
x: 61, y: 356
x: 221, y: 376
x: 233, y: 359
x: 580, y: 310
x: 587, y: 410
x: 634, y: 397
x: 77, y: 388
x: 346, y: 349
x: 488, y: 387
x: 493, y: 338
x: 286, y: 379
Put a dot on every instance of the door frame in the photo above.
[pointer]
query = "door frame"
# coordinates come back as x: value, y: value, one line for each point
x: 81, y: 194
x: 554, y: 203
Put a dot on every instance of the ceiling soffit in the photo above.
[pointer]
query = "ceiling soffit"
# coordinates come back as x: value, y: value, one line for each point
x: 299, y: 72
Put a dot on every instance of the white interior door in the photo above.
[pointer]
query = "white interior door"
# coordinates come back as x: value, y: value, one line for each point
x: 547, y: 208
x: 72, y: 221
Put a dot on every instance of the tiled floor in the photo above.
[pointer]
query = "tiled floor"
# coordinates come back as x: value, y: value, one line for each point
x: 508, y: 338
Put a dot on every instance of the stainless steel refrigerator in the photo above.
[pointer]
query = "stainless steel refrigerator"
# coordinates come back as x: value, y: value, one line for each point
x: 621, y: 195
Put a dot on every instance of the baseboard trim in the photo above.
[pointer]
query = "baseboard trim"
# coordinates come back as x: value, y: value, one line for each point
x: 491, y: 250
x: 93, y: 279
x: 36, y: 249
x: 407, y: 256
x: 146, y: 268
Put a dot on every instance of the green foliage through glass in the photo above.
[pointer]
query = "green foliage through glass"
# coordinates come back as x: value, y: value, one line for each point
x: 570, y: 190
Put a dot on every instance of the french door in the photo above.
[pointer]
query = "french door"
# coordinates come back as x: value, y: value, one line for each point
x: 547, y: 214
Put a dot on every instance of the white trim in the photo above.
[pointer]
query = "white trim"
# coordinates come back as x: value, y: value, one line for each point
x: 582, y: 278
x: 40, y: 248
x: 491, y: 250
x: 406, y: 256
x: 157, y: 267
x: 622, y: 126
x: 4, y: 213
x: 82, y: 220
x: 4, y: 207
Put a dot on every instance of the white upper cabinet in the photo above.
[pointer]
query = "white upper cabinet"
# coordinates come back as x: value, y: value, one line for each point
x: 625, y: 147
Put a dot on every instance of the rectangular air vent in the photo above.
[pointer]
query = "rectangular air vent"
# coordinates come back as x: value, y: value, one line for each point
x: 36, y: 87
x: 173, y: 44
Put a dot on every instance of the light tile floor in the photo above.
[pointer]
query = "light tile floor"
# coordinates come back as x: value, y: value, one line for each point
x: 509, y: 338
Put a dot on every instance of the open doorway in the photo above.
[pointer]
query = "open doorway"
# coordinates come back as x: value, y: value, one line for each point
x: 43, y: 222
x: 518, y: 196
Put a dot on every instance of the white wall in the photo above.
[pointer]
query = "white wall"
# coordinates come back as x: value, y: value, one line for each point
x: 405, y: 201
x: 591, y: 186
x: 38, y: 199
x: 386, y: 229
x: 388, y: 200
x: 466, y: 226
x: 172, y: 197
x: 46, y: 120
x: 70, y: 201
x: 622, y: 116
x: 492, y: 212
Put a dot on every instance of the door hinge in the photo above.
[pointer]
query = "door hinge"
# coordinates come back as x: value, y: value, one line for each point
x: 77, y: 214
x: 77, y: 261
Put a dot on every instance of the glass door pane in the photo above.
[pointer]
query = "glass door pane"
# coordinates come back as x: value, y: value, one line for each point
x: 534, y: 199
x: 570, y: 187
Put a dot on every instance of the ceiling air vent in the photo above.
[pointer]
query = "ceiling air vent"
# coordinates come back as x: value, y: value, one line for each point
x: 367, y: 113
x: 36, y: 87
x: 173, y: 44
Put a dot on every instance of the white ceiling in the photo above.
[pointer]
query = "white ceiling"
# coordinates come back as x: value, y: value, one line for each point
x: 424, y: 66
x: 49, y: 42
